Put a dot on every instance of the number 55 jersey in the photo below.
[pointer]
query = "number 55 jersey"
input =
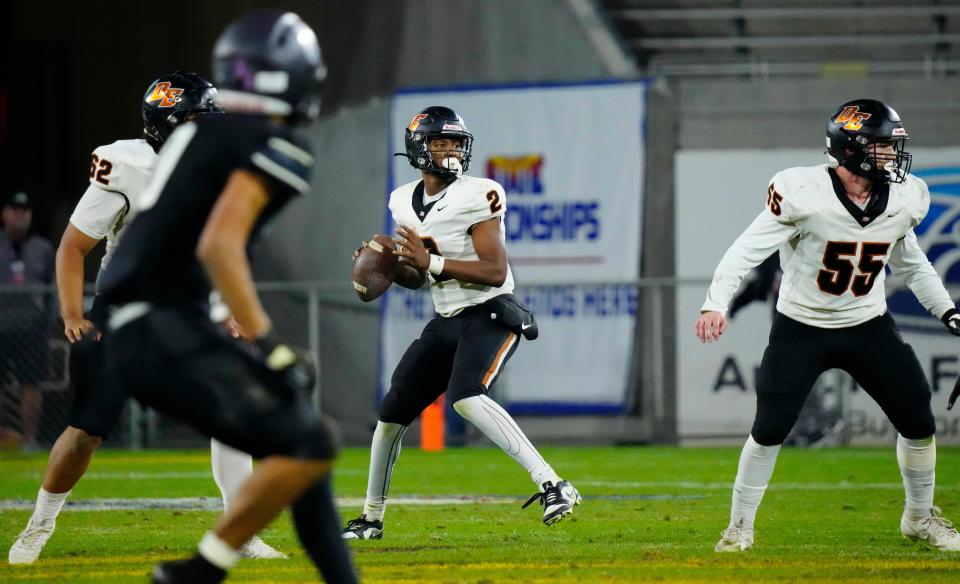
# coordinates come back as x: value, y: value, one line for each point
x: 445, y: 223
x: 834, y: 253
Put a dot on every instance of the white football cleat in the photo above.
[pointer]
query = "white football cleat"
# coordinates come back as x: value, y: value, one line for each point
x: 735, y: 539
x: 933, y: 529
x: 27, y: 548
x: 257, y: 549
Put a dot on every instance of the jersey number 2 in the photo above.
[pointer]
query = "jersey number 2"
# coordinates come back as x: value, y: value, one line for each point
x: 837, y: 275
x: 493, y: 197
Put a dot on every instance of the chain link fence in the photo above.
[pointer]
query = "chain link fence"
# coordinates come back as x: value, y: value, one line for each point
x: 35, y: 395
x: 343, y: 334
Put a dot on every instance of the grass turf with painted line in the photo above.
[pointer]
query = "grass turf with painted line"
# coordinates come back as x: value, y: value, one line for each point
x: 834, y: 519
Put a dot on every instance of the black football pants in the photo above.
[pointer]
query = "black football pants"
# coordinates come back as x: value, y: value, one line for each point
x: 873, y: 353
x: 179, y: 363
x: 462, y: 355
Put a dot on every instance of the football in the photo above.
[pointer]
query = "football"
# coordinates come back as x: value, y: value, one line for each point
x: 375, y: 268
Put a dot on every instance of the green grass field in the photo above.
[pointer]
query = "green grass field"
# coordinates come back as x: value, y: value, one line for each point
x: 649, y: 514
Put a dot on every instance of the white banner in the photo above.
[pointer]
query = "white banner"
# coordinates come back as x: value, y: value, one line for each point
x: 718, y: 193
x: 570, y: 159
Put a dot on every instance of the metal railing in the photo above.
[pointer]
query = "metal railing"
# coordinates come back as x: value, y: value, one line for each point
x: 650, y: 410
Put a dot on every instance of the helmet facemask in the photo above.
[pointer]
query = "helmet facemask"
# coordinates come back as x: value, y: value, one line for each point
x: 881, y: 160
x: 184, y: 115
x: 426, y: 160
x: 422, y: 157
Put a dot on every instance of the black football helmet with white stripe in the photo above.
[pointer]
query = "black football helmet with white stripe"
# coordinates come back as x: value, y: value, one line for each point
x: 269, y: 62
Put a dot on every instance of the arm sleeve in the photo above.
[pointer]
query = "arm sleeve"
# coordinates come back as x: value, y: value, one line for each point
x: 908, y: 261
x: 286, y: 166
x: 763, y: 237
x: 98, y: 211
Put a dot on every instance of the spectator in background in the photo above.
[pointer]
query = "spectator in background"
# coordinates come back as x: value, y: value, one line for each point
x: 26, y: 261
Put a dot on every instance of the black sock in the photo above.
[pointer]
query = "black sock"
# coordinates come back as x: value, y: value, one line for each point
x: 318, y: 526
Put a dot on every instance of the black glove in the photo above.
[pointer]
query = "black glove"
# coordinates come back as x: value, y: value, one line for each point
x: 951, y: 320
x: 295, y: 365
x: 954, y: 394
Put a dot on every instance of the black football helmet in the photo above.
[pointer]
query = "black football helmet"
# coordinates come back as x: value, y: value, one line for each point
x: 171, y: 99
x: 857, y: 130
x: 434, y: 122
x: 268, y: 62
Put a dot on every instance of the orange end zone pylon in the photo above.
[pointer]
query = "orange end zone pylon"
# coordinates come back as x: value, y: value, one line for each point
x: 431, y: 426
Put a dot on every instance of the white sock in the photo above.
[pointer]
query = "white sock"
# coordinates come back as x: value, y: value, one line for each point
x: 918, y: 460
x: 218, y: 552
x: 48, y: 505
x: 499, y: 426
x: 753, y: 476
x: 384, y: 451
x: 231, y: 468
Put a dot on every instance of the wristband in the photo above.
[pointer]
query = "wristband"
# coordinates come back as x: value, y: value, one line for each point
x: 275, y: 352
x: 267, y: 342
x: 945, y: 319
x: 436, y: 264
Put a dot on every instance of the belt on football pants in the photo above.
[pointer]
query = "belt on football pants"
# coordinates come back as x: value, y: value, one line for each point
x: 128, y: 313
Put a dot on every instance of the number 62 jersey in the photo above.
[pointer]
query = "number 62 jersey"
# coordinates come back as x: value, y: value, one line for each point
x: 832, y: 252
x: 119, y: 172
x: 445, y: 225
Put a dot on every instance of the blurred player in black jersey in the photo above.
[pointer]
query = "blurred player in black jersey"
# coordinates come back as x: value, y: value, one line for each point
x: 217, y: 181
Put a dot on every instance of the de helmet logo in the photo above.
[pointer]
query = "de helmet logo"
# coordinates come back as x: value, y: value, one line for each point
x: 415, y: 122
x: 939, y: 236
x: 852, y: 118
x: 168, y: 96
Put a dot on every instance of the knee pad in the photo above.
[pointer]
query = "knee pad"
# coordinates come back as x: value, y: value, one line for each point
x: 302, y: 435
x: 768, y: 432
x: 315, y: 442
x: 394, y: 411
x: 457, y: 393
x: 917, y: 426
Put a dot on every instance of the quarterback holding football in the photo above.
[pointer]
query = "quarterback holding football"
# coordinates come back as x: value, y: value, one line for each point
x: 450, y: 232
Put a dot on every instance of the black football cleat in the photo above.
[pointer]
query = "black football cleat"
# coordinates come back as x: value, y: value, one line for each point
x: 362, y: 528
x: 196, y: 570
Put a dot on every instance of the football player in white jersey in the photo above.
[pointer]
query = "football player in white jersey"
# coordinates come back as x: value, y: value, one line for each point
x: 450, y: 233
x: 119, y: 173
x: 837, y: 227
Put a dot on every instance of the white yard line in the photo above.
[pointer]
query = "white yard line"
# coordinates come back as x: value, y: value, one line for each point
x: 774, y: 485
x: 215, y: 504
